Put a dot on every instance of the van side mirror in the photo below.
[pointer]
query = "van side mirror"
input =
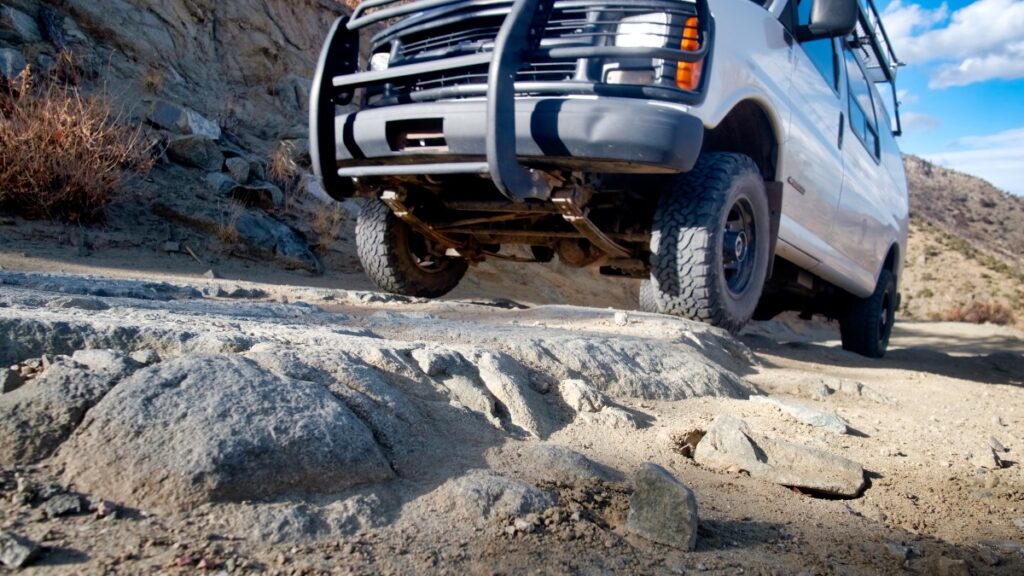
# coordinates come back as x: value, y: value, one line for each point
x: 830, y: 19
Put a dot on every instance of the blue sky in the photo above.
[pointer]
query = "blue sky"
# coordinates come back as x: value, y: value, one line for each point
x: 963, y: 86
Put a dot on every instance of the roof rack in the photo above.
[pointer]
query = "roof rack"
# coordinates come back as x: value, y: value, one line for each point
x: 883, y: 57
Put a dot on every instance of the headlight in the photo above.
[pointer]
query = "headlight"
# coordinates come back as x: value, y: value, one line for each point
x: 643, y: 31
x: 380, y: 61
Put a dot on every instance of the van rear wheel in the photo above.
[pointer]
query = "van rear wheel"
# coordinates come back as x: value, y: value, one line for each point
x: 710, y: 242
x: 401, y: 261
x: 866, y: 323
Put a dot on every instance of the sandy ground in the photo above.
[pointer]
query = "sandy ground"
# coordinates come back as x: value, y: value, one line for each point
x: 943, y: 390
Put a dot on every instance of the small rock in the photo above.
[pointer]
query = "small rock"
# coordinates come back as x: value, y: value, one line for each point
x: 485, y: 494
x: 523, y: 526
x: 434, y: 362
x: 182, y: 120
x: 621, y: 318
x: 12, y: 63
x: 81, y: 303
x: 196, y: 151
x: 221, y: 183
x: 106, y: 508
x: 989, y: 557
x: 270, y: 238
x: 898, y: 551
x: 998, y: 421
x: 729, y: 442
x: 951, y: 567
x: 582, y: 397
x: 612, y: 417
x: 545, y: 462
x: 239, y: 169
x: 62, y: 505
x: 662, y: 509
x: 984, y: 457
x: 208, y: 563
x: 1004, y: 546
x: 16, y: 551
x: 817, y: 418
x: 1019, y: 523
x: 22, y: 26
x: 171, y: 246
x: 996, y: 444
x: 850, y: 387
x: 10, y: 380
x: 820, y: 391
x: 242, y: 293
x: 145, y: 357
x: 210, y: 275
x: 264, y: 195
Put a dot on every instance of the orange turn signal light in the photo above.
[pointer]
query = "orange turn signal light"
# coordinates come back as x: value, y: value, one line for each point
x: 688, y: 73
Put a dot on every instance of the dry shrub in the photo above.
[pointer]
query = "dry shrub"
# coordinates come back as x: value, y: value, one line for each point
x: 981, y: 313
x: 63, y: 154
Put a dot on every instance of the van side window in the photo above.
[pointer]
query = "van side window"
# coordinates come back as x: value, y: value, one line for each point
x: 862, y: 109
x: 821, y: 52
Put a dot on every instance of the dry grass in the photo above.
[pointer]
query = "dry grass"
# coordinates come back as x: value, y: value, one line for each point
x: 326, y: 225
x: 981, y: 313
x: 282, y: 168
x: 284, y: 172
x: 63, y: 155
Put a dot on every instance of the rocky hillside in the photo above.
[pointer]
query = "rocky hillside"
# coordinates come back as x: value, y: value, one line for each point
x: 966, y: 253
x: 244, y: 64
x: 968, y: 207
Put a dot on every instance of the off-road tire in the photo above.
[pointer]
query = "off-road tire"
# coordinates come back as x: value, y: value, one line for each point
x: 688, y: 272
x: 866, y: 323
x: 386, y: 249
x: 648, y: 298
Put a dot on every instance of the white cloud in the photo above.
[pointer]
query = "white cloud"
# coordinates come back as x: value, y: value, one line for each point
x: 998, y: 158
x: 906, y: 97
x: 981, y: 41
x: 915, y: 122
x: 902, y: 20
x: 1006, y: 66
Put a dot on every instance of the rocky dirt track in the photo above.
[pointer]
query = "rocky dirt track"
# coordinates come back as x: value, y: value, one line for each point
x: 183, y: 426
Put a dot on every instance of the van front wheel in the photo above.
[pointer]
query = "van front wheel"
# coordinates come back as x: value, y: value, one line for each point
x: 710, y: 242
x: 401, y: 261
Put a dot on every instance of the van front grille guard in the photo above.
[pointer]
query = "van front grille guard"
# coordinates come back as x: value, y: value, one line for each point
x: 519, y: 41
